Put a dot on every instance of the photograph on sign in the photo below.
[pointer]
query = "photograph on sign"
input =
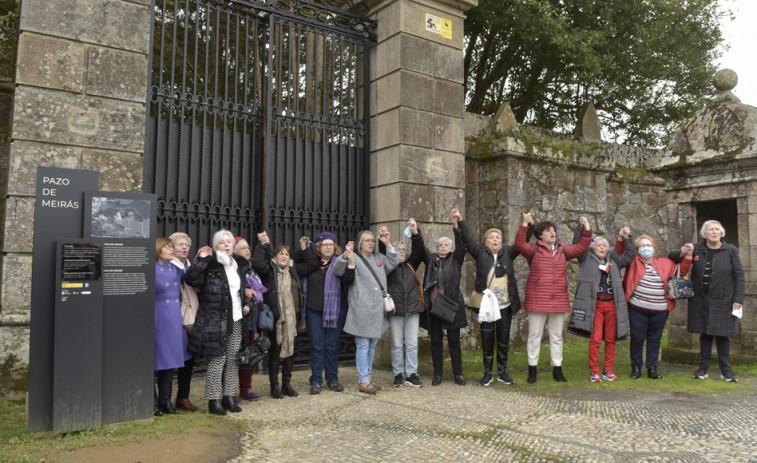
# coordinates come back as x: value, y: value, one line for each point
x: 120, y: 218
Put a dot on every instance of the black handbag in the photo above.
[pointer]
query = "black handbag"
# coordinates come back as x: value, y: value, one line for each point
x: 253, y: 352
x: 680, y: 287
x: 444, y: 308
x: 264, y: 317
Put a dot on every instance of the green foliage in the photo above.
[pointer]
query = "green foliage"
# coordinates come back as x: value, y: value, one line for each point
x: 645, y: 65
x: 8, y: 30
x: 543, y: 140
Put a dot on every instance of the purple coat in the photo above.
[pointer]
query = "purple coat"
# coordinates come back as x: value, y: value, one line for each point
x: 170, y: 336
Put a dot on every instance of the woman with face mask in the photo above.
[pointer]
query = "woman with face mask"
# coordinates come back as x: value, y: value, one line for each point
x: 645, y: 285
x: 442, y: 276
x: 599, y: 306
x: 547, y: 299
x: 719, y: 287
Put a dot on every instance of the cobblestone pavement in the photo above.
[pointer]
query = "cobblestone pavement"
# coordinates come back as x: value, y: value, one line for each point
x: 451, y: 423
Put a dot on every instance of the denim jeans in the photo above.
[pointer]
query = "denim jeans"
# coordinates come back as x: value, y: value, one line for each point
x: 404, y: 329
x: 324, y: 347
x: 366, y: 348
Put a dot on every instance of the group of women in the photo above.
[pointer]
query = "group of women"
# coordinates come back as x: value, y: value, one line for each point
x: 202, y: 309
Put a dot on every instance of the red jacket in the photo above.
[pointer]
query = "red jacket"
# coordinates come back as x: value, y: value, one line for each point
x: 662, y: 265
x: 547, y: 285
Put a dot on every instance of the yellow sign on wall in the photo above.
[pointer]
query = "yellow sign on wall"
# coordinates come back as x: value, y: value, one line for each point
x: 438, y: 25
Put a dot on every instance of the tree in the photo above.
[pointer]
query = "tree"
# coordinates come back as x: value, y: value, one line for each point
x: 645, y: 64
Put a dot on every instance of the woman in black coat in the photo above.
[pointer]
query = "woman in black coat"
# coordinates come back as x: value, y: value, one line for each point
x: 217, y: 331
x: 443, y: 272
x: 494, y: 270
x: 719, y: 289
x: 285, y: 298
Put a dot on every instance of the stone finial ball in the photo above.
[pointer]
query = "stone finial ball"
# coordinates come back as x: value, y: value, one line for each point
x: 725, y: 79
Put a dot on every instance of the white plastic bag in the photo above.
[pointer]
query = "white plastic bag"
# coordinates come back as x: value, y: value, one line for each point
x: 489, y: 309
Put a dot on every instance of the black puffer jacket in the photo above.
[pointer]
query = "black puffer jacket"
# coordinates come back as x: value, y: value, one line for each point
x: 214, y: 318
x: 402, y: 286
x: 262, y: 264
x: 484, y: 262
x: 448, y: 270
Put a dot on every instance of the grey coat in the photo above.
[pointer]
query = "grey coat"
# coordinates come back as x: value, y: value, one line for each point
x: 365, y: 317
x: 585, y: 302
x: 711, y: 314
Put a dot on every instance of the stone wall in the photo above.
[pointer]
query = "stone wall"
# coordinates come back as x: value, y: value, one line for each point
x: 558, y: 179
x: 78, y: 103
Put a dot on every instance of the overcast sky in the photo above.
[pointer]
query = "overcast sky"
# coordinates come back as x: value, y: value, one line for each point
x: 741, y: 34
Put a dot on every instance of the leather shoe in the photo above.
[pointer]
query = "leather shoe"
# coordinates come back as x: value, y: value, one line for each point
x: 315, y: 389
x: 228, y: 404
x: 288, y: 391
x: 249, y: 395
x: 167, y: 409
x: 653, y: 374
x: 460, y: 380
x: 185, y: 404
x: 437, y: 380
x: 276, y: 392
x: 367, y: 388
x: 237, y: 400
x: 378, y: 388
x: 336, y: 387
x: 215, y: 407
x: 157, y: 411
x: 635, y: 372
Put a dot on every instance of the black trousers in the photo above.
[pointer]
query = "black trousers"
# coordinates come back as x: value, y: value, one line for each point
x: 184, y: 378
x: 437, y: 346
x: 499, y: 330
x: 165, y: 382
x: 274, y: 361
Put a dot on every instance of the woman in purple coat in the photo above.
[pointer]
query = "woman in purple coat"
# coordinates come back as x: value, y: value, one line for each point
x: 170, y: 336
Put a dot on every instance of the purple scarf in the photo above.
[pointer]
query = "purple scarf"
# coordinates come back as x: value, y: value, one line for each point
x: 332, y: 297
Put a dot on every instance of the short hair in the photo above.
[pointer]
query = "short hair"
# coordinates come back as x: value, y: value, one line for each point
x: 540, y: 227
x: 596, y: 240
x: 402, y: 242
x: 219, y: 235
x: 442, y: 240
x: 642, y: 237
x: 159, y: 243
x: 493, y: 230
x: 704, y: 228
x: 180, y: 235
x: 281, y: 247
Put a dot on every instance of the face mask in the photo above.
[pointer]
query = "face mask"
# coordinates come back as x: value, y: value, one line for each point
x: 646, y: 251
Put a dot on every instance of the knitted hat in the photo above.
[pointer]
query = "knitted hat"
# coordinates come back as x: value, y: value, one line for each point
x: 237, y: 240
x: 325, y: 236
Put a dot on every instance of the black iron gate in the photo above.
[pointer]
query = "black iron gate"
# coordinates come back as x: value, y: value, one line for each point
x: 257, y: 119
x: 233, y: 80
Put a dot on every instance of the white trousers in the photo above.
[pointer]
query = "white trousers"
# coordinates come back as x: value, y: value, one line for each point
x: 536, y: 322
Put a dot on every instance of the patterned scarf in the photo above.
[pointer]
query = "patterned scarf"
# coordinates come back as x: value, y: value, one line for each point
x: 286, y: 328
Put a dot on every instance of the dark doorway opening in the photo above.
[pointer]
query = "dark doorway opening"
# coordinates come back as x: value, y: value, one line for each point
x: 724, y: 211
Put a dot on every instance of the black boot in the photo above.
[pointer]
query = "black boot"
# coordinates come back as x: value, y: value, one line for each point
x: 228, y: 404
x: 275, y: 391
x: 502, y: 376
x: 286, y: 376
x: 487, y: 347
x: 635, y: 372
x: 531, y: 374
x: 652, y: 373
x: 215, y: 407
x: 557, y: 375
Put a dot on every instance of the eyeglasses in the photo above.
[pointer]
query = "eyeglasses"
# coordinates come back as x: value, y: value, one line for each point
x: 242, y: 248
x: 182, y: 244
x: 369, y: 240
x: 327, y: 245
x: 401, y: 249
x: 168, y: 246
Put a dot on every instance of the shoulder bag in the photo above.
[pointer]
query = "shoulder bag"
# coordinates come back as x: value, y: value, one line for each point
x: 680, y: 287
x: 388, y: 301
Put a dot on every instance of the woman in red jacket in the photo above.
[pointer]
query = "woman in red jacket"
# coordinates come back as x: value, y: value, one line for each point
x: 645, y: 284
x: 547, y: 299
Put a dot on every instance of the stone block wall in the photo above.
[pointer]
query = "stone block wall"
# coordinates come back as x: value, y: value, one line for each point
x: 80, y: 89
x: 506, y: 177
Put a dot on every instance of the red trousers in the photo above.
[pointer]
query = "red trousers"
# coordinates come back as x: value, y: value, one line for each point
x: 245, y: 376
x: 605, y: 327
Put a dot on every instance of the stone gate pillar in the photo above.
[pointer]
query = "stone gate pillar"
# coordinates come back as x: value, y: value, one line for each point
x: 417, y: 101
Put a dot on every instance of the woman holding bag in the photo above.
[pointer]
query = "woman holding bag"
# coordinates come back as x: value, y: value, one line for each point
x: 366, y: 318
x: 441, y: 286
x: 494, y: 271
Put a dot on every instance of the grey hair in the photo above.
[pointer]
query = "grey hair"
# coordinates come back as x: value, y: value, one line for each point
x: 595, y: 240
x: 180, y: 235
x: 402, y: 242
x: 218, y: 236
x: 442, y: 240
x: 704, y: 228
